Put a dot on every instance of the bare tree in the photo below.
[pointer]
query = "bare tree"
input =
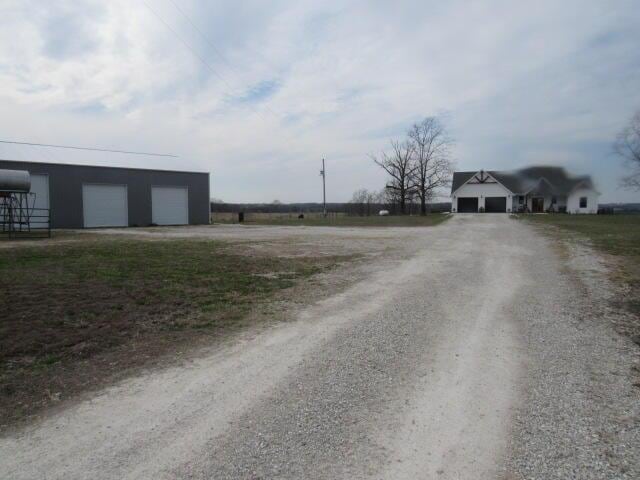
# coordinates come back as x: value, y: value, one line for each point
x: 386, y: 199
x: 364, y: 202
x: 627, y: 145
x: 399, y: 165
x: 373, y: 201
x: 432, y: 158
x: 359, y: 201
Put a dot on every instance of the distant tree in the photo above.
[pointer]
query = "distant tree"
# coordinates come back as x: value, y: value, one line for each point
x: 360, y: 196
x: 398, y: 163
x: 217, y: 200
x: 364, y: 201
x: 378, y: 197
x: 276, y: 202
x: 359, y: 200
x: 433, y: 166
x: 373, y: 201
x: 627, y: 145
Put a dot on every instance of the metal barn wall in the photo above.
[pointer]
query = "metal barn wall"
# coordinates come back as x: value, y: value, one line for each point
x: 65, y: 190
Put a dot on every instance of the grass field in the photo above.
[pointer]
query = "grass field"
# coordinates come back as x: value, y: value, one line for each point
x: 616, y: 235
x: 73, y: 313
x: 613, y: 234
x: 339, y: 220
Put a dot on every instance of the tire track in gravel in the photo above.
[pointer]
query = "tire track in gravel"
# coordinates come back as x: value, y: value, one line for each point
x: 344, y: 412
x: 415, y: 372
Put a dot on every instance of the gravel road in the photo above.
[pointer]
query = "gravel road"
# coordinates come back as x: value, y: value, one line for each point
x: 481, y: 353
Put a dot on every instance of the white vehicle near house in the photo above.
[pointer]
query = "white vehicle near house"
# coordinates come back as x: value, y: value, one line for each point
x: 534, y: 189
x: 383, y: 213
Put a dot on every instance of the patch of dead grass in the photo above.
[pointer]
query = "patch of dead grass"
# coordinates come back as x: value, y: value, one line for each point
x: 617, y: 238
x: 79, y: 314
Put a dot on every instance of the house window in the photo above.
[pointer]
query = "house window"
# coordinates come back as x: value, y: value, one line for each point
x: 583, y: 202
x: 554, y: 200
x: 521, y: 200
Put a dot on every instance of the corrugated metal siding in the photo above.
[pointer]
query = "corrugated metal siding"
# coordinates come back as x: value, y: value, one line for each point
x: 105, y: 205
x: 65, y: 190
x: 170, y: 205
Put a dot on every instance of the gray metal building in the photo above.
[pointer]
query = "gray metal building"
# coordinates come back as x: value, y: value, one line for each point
x: 82, y: 196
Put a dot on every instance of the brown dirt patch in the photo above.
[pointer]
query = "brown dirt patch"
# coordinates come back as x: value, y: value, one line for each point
x: 81, y: 314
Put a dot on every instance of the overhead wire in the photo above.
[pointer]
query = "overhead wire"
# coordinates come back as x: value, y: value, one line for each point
x: 206, y: 38
x: 202, y: 60
x: 189, y: 47
x: 94, y: 149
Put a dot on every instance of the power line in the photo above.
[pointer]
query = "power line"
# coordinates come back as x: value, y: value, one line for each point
x: 198, y: 56
x: 43, y: 153
x: 206, y: 38
x: 195, y: 27
x: 185, y: 43
x: 88, y: 148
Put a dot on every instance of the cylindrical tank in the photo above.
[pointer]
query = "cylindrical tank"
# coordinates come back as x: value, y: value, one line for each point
x: 15, y: 181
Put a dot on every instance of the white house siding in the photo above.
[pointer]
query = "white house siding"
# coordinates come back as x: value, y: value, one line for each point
x: 481, y: 190
x: 561, y: 201
x: 516, y: 203
x: 573, y: 201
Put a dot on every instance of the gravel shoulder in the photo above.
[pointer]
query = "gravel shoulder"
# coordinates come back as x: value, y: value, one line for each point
x: 474, y: 351
x: 580, y: 414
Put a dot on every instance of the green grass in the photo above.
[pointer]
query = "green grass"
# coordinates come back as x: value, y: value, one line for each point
x: 64, y: 305
x: 614, y: 234
x: 64, y: 293
x: 354, y: 221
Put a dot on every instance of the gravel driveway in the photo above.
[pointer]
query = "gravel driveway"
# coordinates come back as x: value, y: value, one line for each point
x: 478, y: 354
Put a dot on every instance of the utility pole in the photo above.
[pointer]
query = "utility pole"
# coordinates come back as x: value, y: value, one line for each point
x: 323, y: 174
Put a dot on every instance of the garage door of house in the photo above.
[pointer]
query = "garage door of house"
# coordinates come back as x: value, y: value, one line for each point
x: 495, y: 204
x: 468, y: 205
x: 170, y: 205
x: 104, y: 205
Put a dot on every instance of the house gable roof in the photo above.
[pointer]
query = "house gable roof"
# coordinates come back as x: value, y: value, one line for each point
x: 479, y: 177
x: 460, y: 178
x: 548, y: 180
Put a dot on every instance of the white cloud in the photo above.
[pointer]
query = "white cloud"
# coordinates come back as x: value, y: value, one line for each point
x: 550, y: 79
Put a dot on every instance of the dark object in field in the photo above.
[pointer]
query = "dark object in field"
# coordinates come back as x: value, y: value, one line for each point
x: 605, y: 211
x: 240, y: 217
x: 301, y: 216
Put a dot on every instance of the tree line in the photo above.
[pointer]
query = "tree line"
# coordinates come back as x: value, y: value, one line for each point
x: 627, y: 146
x: 418, y: 166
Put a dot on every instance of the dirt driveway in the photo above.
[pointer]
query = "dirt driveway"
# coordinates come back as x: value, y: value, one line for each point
x: 476, y: 352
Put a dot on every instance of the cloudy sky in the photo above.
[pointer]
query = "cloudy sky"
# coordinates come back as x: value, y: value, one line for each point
x: 258, y: 92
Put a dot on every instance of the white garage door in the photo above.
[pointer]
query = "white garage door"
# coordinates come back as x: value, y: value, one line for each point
x: 170, y: 205
x: 40, y: 191
x: 104, y: 205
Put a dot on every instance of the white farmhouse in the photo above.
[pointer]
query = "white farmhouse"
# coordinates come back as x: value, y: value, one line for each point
x: 534, y: 189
